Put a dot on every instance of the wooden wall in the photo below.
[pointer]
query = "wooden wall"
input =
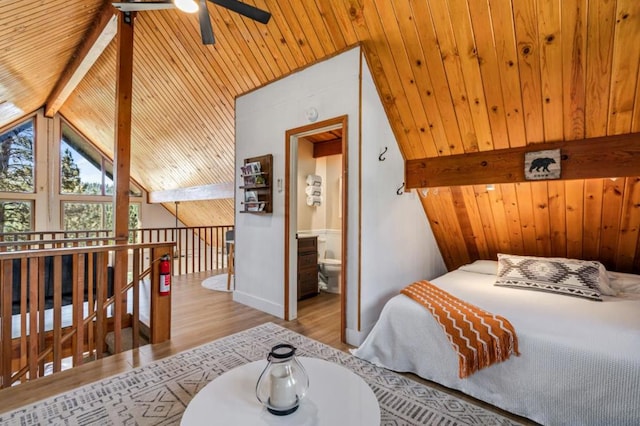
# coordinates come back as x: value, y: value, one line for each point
x: 588, y: 219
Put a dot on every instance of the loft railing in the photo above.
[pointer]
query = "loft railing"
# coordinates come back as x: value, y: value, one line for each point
x: 59, y: 304
x: 198, y: 248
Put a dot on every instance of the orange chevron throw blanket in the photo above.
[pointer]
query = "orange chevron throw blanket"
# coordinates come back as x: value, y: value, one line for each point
x: 480, y: 338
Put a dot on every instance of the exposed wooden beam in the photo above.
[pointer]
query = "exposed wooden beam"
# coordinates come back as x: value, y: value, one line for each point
x: 609, y: 156
x: 99, y: 37
x: 193, y: 193
x: 324, y: 148
x: 122, y: 157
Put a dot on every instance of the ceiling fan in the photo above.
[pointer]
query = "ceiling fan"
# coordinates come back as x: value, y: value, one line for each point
x: 200, y: 6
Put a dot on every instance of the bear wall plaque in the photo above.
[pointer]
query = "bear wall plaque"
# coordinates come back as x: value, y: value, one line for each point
x: 541, y: 165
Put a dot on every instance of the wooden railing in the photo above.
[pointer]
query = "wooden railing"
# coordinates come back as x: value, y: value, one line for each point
x: 55, y: 318
x: 198, y: 248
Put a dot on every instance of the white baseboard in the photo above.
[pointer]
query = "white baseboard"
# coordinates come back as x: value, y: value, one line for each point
x: 355, y: 337
x: 259, y: 304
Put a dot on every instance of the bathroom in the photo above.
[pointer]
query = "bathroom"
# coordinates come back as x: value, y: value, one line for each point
x: 320, y: 204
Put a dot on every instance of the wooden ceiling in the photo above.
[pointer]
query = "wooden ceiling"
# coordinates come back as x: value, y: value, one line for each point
x: 455, y: 76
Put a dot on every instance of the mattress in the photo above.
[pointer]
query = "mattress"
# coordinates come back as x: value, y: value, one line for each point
x: 579, y: 362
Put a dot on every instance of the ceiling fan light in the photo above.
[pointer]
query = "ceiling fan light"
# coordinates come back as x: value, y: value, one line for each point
x: 189, y: 6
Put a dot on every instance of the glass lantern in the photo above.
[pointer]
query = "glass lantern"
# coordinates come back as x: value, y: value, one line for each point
x: 283, y: 383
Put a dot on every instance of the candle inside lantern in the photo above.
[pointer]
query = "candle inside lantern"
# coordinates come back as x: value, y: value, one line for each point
x: 283, y: 389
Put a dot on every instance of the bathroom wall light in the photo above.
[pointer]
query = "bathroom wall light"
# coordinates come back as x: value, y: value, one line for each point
x: 490, y: 187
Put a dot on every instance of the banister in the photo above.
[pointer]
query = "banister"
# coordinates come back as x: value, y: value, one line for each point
x: 77, y: 250
x: 23, y: 358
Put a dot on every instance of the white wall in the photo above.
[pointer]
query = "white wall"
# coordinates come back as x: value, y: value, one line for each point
x: 397, y: 244
x: 262, y: 118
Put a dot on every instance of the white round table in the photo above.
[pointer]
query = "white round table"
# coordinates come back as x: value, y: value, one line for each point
x: 336, y: 396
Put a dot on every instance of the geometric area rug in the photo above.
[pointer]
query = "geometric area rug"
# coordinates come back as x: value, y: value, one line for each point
x: 158, y: 393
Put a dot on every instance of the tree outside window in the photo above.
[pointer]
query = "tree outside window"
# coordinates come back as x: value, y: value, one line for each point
x: 17, y: 176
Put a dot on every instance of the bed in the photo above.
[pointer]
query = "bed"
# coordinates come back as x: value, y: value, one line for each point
x: 579, y: 360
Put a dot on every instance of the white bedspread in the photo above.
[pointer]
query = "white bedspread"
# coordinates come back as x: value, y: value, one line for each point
x: 579, y: 362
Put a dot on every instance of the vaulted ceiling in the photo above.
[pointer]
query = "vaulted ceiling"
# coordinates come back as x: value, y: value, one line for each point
x: 455, y: 76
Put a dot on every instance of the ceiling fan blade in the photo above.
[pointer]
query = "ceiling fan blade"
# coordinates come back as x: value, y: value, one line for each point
x: 136, y: 6
x: 206, y: 32
x: 245, y: 10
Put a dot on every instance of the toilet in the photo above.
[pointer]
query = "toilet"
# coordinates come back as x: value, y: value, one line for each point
x: 330, y: 268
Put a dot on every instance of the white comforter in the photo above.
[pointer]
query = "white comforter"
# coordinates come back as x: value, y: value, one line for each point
x: 579, y: 362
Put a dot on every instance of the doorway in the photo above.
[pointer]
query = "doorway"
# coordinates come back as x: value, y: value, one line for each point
x: 327, y: 138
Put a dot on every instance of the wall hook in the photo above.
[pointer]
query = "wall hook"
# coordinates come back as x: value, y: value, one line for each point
x: 400, y: 190
x: 380, y: 157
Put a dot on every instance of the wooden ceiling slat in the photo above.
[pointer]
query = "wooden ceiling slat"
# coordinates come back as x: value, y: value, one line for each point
x: 512, y: 215
x: 593, y: 191
x: 382, y: 57
x: 34, y: 17
x: 610, y: 226
x: 345, y: 12
x: 464, y: 221
x: 574, y: 28
x: 333, y: 28
x: 498, y: 211
x: 211, y: 60
x: 527, y: 218
x: 624, y: 76
x: 487, y: 219
x: 557, y: 218
x: 528, y: 51
x: 293, y: 52
x: 468, y: 61
x: 270, y: 51
x: 374, y: 64
x: 412, y: 104
x: 197, y: 81
x: 273, y: 38
x: 551, y: 59
x: 628, y: 239
x: 451, y: 60
x: 436, y: 69
x: 473, y: 214
x: 231, y: 37
x: 292, y: 34
x: 434, y: 127
x: 600, y: 37
x: 505, y: 46
x: 489, y: 69
x: 438, y: 228
x: 574, y: 190
x: 296, y: 16
x: 386, y: 91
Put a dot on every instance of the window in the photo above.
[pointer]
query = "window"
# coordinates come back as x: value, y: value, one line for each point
x: 86, y: 186
x: 94, y: 216
x: 16, y: 159
x: 83, y: 169
x: 16, y: 216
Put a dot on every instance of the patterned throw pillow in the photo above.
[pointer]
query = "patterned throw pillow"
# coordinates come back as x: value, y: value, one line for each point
x: 563, y: 276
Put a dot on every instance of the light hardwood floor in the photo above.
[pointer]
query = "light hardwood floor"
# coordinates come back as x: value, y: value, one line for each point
x: 198, y: 316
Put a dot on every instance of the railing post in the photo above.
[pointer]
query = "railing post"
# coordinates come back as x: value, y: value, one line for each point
x: 160, y: 305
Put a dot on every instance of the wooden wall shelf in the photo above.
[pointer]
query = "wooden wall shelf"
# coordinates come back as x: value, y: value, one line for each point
x: 257, y: 184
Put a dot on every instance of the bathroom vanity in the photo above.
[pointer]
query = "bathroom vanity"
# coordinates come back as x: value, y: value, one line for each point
x: 307, y: 267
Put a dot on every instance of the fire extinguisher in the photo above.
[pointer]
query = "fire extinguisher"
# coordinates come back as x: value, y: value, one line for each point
x: 165, y: 275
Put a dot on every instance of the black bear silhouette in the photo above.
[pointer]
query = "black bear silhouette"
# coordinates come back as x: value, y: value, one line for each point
x: 541, y: 163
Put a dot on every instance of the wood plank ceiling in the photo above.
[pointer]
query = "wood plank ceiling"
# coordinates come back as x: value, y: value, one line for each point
x: 455, y: 76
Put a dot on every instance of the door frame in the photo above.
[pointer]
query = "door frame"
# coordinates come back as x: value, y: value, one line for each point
x: 290, y: 226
